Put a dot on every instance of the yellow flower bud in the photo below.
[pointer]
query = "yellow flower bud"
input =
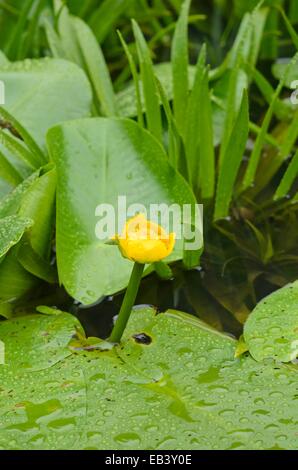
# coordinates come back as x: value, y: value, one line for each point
x: 145, y: 242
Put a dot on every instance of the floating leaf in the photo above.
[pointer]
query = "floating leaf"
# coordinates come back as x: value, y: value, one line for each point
x: 199, y: 396
x: 271, y: 330
x: 37, y: 342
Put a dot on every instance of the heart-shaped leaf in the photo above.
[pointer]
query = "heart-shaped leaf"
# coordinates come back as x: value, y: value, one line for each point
x: 97, y: 161
x: 42, y: 92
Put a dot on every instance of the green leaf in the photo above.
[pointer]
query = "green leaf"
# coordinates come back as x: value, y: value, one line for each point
x: 257, y: 150
x: 76, y: 42
x: 288, y: 178
x: 8, y: 172
x: 14, y: 43
x: 120, y: 159
x: 135, y: 78
x: 3, y: 58
x: 15, y: 281
x: 37, y: 342
x: 175, y: 141
x: 193, y: 118
x: 241, y: 347
x: 24, y: 134
x: 150, y: 92
x: 95, y: 67
x: 35, y: 264
x: 34, y: 199
x: 237, y: 83
x: 43, y: 92
x: 287, y: 70
x: 127, y: 101
x: 10, y: 205
x: 12, y: 229
x: 199, y: 396
x: 18, y: 150
x: 38, y: 203
x: 271, y: 330
x: 291, y: 30
x: 269, y: 169
x: 106, y: 15
x: 231, y: 161
x: 179, y: 59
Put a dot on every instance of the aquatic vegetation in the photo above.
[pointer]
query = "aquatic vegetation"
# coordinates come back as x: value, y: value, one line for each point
x: 106, y: 111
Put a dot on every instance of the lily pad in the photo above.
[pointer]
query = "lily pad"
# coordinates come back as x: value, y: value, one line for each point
x: 182, y: 388
x: 271, y: 330
x: 36, y: 342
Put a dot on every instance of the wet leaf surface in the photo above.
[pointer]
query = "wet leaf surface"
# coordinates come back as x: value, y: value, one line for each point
x: 42, y: 92
x: 37, y: 342
x: 11, y: 231
x: 271, y: 330
x: 119, y: 159
x: 184, y: 390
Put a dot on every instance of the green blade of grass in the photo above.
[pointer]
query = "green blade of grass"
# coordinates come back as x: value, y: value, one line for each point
x: 270, y: 37
x: 255, y: 129
x: 174, y: 138
x: 281, y: 109
x: 18, y: 150
x: 293, y: 11
x: 104, y: 17
x: 232, y: 161
x: 277, y: 159
x: 288, y: 178
x: 15, y: 39
x: 96, y: 67
x: 179, y: 59
x: 76, y: 42
x: 256, y: 153
x: 192, y: 120
x: 135, y: 78
x: 237, y: 78
x: 291, y: 30
x: 206, y: 147
x: 54, y: 41
x: 153, y: 113
x: 25, y: 46
x: 67, y: 34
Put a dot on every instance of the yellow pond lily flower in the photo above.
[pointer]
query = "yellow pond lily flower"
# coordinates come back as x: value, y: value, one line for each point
x: 145, y: 242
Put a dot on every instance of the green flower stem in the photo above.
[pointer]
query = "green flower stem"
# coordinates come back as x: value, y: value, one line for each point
x: 128, y: 303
